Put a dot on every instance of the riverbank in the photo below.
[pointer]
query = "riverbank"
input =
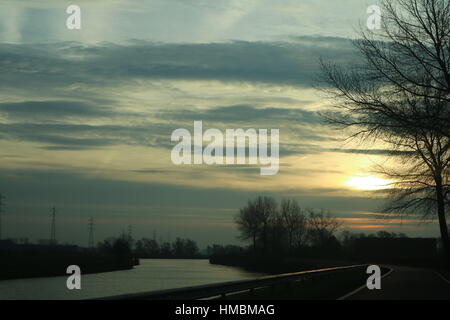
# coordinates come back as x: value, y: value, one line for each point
x: 149, y: 275
x: 17, y: 265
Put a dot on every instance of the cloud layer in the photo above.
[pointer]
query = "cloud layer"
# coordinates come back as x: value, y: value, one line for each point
x: 88, y: 127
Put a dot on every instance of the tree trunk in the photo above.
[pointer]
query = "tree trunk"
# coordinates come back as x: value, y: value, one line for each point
x: 442, y: 220
x: 265, y: 238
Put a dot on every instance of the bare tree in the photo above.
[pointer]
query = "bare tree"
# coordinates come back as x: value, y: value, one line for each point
x: 255, y: 218
x: 277, y: 235
x: 266, y: 208
x: 248, y: 223
x: 321, y: 227
x: 400, y: 94
x: 295, y: 223
x: 408, y: 58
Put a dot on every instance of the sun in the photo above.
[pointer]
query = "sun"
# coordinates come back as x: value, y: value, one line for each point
x: 368, y: 183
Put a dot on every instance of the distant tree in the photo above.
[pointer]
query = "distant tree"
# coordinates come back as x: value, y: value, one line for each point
x: 116, y: 246
x: 295, y: 223
x: 254, y: 220
x: 121, y: 247
x: 277, y: 239
x: 151, y: 247
x: 284, y: 228
x: 223, y: 250
x: 249, y: 223
x: 165, y: 249
x: 266, y: 209
x: 147, y: 248
x: 385, y: 234
x: 321, y: 227
x: 139, y: 249
x: 190, y: 248
x: 347, y: 238
x: 214, y: 249
x: 178, y: 247
x: 106, y: 245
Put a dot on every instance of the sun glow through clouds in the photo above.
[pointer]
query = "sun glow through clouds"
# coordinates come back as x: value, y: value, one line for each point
x: 368, y: 183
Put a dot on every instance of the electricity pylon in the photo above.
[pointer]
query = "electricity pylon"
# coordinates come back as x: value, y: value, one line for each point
x: 91, y: 233
x: 130, y: 234
x: 53, y: 227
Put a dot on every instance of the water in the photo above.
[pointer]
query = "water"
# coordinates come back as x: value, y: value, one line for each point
x: 151, y: 274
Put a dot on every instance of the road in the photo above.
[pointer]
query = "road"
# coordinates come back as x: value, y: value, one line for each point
x: 407, y: 283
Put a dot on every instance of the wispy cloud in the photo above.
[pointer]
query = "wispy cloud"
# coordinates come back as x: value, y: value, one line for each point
x: 280, y: 63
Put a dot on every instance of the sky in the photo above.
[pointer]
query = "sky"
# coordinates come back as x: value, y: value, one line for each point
x: 86, y: 116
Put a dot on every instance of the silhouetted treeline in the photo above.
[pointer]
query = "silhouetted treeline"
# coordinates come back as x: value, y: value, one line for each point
x: 118, y: 246
x: 285, y: 237
x: 179, y: 249
x: 342, y: 251
x: 345, y: 242
x: 217, y: 249
x: 348, y: 239
x: 286, y: 228
x: 27, y: 260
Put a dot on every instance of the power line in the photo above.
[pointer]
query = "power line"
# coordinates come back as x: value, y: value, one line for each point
x: 53, y: 227
x: 130, y: 233
x: 91, y: 233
